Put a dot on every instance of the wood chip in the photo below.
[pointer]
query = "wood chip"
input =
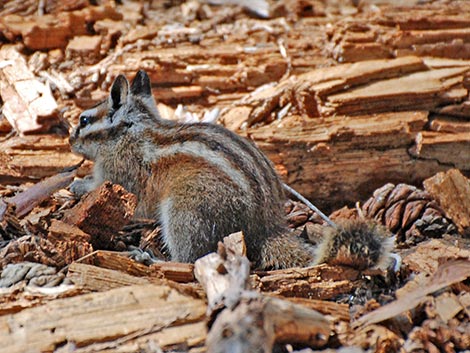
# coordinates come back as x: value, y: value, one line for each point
x: 102, y: 213
x: 86, y: 47
x: 25, y: 201
x: 446, y: 148
x: 452, y: 190
x: 28, y: 104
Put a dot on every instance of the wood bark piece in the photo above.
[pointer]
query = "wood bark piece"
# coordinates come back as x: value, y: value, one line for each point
x: 71, y: 242
x: 111, y: 265
x: 427, y: 256
x: 100, y: 279
x: 336, y: 90
x: 120, y: 261
x: 174, y: 271
x: 192, y: 71
x: 310, y: 91
x: 338, y: 311
x: 86, y: 47
x: 376, y: 338
x: 121, y: 313
x: 31, y: 248
x: 251, y: 322
x: 18, y: 298
x: 35, y: 157
x: 451, y: 272
x: 448, y: 306
x: 28, y: 104
x: 25, y: 201
x: 102, y: 213
x: 422, y: 90
x: 442, y: 123
x: 317, y: 282
x: 446, y: 148
x: 393, y: 31
x: 53, y: 31
x: 452, y: 190
x: 94, y: 278
x: 344, y: 159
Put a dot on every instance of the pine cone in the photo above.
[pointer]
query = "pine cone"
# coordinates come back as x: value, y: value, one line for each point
x: 410, y: 213
x: 298, y: 214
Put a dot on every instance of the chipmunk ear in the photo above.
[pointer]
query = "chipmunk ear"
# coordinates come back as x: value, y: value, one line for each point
x: 141, y: 85
x: 119, y: 91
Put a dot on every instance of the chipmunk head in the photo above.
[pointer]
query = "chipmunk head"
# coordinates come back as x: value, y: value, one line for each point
x: 124, y: 108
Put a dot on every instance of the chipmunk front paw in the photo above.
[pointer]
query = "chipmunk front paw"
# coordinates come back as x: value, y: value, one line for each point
x: 80, y: 187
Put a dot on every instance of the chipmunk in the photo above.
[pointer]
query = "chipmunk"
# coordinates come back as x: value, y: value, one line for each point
x: 200, y: 180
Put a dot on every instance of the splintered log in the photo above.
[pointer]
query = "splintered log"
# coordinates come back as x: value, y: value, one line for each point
x: 334, y: 154
x: 137, y: 314
x: 101, y: 279
x: 422, y: 90
x: 343, y: 159
x: 367, y: 87
x: 310, y: 92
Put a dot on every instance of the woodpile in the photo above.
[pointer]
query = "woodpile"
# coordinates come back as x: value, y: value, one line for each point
x: 363, y: 106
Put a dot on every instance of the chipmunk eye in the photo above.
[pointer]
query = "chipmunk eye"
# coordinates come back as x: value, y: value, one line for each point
x: 84, y: 121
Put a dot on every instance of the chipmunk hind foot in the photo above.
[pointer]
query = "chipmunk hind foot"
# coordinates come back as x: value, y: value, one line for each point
x: 360, y: 244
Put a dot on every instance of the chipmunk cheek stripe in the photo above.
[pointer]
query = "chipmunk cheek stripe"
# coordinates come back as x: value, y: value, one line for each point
x: 99, y: 134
